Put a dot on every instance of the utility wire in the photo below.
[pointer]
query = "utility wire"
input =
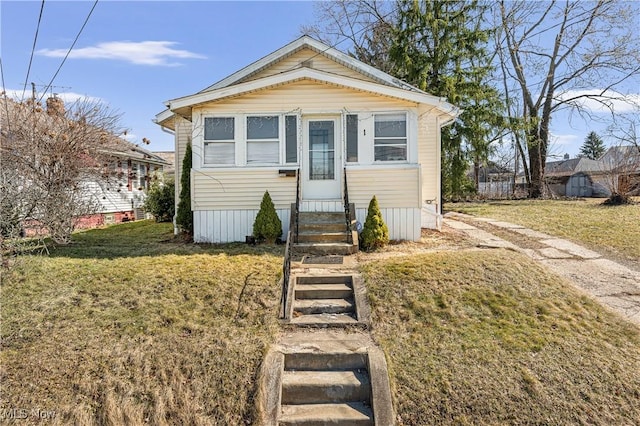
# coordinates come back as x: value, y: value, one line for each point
x: 44, y: 92
x: 33, y: 48
x: 6, y: 100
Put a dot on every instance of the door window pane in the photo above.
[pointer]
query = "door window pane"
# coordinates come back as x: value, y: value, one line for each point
x: 321, y: 150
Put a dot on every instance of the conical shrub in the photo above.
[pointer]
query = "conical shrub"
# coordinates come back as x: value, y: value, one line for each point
x: 375, y: 233
x: 267, y: 226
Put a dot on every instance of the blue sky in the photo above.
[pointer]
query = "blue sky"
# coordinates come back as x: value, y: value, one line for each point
x: 134, y: 55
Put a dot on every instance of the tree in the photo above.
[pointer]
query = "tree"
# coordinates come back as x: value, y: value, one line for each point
x: 267, y: 225
x: 50, y: 160
x: 184, y: 216
x: 440, y: 46
x: 593, y: 146
x: 554, y: 51
x: 375, y: 233
x: 160, y: 201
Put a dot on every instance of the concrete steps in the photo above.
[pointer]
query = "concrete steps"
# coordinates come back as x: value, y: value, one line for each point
x: 324, y: 233
x: 322, y: 389
x: 351, y: 414
x: 324, y: 301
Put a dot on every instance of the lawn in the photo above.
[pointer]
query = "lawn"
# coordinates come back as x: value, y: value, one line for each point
x: 486, y: 337
x: 129, y: 326
x: 615, y: 229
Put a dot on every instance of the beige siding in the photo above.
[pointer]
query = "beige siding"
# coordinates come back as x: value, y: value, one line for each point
x: 429, y: 156
x: 393, y: 187
x: 240, y: 189
x: 182, y: 137
x: 318, y: 62
x: 307, y: 96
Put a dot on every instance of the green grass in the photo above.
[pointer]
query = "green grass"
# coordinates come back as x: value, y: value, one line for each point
x: 612, y: 228
x: 479, y: 337
x: 130, y: 326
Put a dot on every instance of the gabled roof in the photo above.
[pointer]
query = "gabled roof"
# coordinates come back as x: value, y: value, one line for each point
x: 572, y: 166
x: 239, y: 83
x: 306, y: 42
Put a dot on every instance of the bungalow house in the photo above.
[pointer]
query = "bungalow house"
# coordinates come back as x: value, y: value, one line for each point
x: 308, y: 116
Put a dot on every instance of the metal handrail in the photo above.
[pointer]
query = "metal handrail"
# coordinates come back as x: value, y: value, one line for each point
x: 286, y: 276
x: 297, y: 208
x: 347, y: 209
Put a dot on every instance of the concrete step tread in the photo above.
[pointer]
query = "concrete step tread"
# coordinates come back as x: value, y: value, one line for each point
x: 325, y: 378
x: 353, y: 413
x: 322, y: 291
x: 324, y: 320
x: 326, y: 303
x: 323, y: 286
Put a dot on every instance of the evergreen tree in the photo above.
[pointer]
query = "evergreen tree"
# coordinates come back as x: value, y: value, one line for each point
x: 268, y: 225
x: 593, y: 146
x: 375, y: 233
x: 184, y: 217
x: 439, y: 46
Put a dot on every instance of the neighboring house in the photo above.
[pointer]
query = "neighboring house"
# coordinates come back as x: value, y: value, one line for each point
x: 311, y: 108
x: 169, y: 169
x: 122, y: 192
x: 575, y: 177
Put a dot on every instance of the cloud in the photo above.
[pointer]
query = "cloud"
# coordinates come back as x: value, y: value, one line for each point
x: 67, y: 97
x: 563, y: 139
x: 153, y: 53
x: 596, y: 101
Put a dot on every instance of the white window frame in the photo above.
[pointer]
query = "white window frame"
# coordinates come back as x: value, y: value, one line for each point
x: 279, y: 140
x: 405, y: 137
x: 206, y: 142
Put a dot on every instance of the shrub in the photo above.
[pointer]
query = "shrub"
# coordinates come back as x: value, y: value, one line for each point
x: 184, y: 217
x: 161, y: 201
x: 375, y: 233
x: 267, y: 225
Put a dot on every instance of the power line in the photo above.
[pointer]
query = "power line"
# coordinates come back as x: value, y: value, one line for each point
x: 33, y: 48
x: 69, y: 51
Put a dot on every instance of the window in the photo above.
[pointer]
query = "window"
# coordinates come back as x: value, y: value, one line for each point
x: 291, y: 138
x: 352, y: 138
x: 219, y: 142
x: 263, y: 140
x: 390, y: 137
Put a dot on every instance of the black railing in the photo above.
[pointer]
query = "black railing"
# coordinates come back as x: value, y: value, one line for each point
x: 347, y: 208
x: 297, y: 206
x: 286, y: 276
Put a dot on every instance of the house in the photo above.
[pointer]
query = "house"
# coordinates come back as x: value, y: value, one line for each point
x: 121, y: 193
x: 494, y: 180
x: 311, y: 111
x: 575, y: 177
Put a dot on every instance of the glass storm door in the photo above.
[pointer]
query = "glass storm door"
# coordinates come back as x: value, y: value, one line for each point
x: 321, y: 174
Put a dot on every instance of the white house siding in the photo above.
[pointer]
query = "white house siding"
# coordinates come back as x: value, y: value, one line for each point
x: 318, y: 62
x: 429, y: 159
x: 182, y: 137
x: 397, y: 189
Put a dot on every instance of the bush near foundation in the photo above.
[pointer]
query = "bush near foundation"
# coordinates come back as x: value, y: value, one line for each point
x: 267, y: 226
x: 375, y: 233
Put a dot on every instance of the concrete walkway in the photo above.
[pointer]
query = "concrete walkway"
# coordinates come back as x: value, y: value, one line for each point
x: 612, y: 284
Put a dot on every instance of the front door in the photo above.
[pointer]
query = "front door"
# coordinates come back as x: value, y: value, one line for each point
x: 321, y: 155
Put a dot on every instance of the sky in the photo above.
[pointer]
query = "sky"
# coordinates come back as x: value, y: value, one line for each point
x: 134, y: 55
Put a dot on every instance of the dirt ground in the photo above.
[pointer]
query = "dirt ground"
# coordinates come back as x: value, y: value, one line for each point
x: 610, y: 282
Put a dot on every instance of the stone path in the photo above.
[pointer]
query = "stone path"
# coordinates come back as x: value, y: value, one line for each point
x: 612, y: 284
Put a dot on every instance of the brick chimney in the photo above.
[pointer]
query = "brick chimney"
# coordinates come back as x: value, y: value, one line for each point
x: 55, y: 106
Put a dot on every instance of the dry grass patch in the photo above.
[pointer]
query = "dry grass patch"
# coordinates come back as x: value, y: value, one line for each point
x: 587, y: 221
x: 486, y: 337
x: 128, y: 326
